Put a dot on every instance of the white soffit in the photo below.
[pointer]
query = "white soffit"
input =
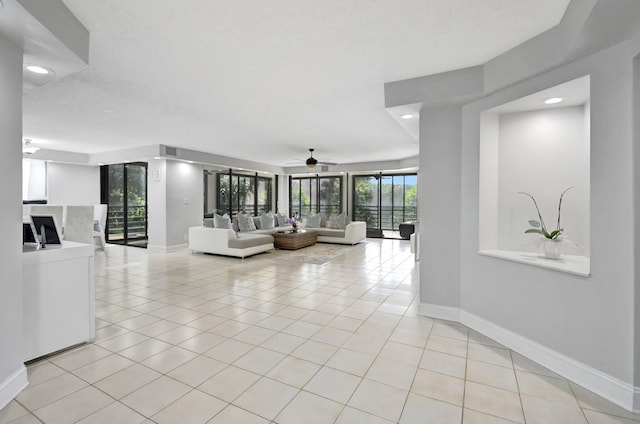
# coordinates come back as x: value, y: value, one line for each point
x: 573, y: 93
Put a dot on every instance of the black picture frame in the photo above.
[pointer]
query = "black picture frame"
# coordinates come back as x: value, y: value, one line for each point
x: 47, y: 222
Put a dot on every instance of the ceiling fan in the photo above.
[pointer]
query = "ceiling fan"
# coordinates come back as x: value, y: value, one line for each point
x: 311, y: 162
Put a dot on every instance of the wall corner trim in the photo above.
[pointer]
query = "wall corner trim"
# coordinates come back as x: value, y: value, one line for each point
x: 12, y: 385
x: 611, y: 388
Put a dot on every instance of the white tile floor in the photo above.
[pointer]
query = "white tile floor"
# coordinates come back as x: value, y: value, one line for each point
x: 185, y: 338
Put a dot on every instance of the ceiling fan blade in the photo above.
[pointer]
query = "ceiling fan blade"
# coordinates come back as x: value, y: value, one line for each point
x: 322, y: 162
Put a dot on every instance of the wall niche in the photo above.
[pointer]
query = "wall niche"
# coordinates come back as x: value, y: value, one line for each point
x: 528, y: 145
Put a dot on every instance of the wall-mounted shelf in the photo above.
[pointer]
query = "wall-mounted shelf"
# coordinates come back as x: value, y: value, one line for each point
x: 572, y: 264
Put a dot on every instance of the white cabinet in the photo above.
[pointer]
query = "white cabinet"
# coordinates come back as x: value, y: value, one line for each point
x: 58, y: 298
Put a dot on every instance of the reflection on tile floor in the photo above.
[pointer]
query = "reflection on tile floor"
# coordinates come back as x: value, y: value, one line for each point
x: 191, y: 338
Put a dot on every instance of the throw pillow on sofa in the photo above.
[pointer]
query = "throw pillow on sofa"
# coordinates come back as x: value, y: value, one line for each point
x: 221, y: 221
x: 282, y: 219
x: 267, y: 221
x: 337, y: 221
x: 245, y: 223
x: 313, y: 221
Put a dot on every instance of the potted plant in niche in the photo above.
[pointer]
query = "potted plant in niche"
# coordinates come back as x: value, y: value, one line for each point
x: 551, y: 239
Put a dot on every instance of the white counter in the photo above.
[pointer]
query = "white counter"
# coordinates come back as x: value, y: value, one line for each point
x: 58, y: 297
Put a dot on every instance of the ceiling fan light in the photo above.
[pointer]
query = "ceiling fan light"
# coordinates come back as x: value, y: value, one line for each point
x: 312, y: 162
x: 28, y: 148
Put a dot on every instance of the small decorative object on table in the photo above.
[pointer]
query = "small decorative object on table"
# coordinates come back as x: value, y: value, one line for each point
x: 551, y: 241
x: 293, y: 223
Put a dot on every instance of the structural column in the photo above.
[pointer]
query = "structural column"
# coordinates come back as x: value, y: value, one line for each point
x: 439, y: 189
x: 13, y: 375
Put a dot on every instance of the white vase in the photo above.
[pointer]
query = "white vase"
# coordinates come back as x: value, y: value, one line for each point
x: 551, y: 248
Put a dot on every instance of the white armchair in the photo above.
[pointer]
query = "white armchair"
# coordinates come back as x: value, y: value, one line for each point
x: 100, y: 218
x: 79, y: 224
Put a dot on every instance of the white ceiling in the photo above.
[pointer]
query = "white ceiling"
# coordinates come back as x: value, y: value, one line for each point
x: 265, y: 80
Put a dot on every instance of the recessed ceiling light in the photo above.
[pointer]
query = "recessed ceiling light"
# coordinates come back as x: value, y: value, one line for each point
x: 157, y: 157
x: 553, y: 100
x: 406, y: 116
x: 38, y: 69
x: 189, y: 161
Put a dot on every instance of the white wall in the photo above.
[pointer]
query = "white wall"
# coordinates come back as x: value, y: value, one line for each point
x: 589, y: 320
x: 157, y: 203
x: 34, y: 179
x: 69, y: 184
x: 175, y: 200
x: 542, y: 152
x: 185, y: 203
x: 489, y: 180
x: 586, y: 328
x: 282, y: 202
x: 13, y: 376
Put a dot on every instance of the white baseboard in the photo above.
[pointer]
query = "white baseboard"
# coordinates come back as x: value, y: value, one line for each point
x: 13, y: 385
x: 611, y: 388
x: 166, y: 249
x: 447, y: 313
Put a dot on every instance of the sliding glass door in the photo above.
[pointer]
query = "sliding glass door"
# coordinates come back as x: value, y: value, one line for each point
x: 385, y: 201
x: 124, y: 190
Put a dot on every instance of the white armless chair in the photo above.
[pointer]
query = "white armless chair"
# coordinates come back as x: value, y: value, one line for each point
x: 99, y: 224
x: 79, y: 224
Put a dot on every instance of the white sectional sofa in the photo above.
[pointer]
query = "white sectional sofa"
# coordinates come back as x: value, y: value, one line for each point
x: 354, y: 232
x: 230, y: 242
x: 221, y: 241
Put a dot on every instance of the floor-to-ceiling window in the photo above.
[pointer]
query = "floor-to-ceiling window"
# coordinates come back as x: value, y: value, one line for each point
x: 303, y: 199
x: 124, y: 190
x: 385, y: 201
x: 330, y: 195
x: 263, y: 194
x: 228, y: 191
x: 366, y: 203
x: 242, y: 194
x: 315, y: 195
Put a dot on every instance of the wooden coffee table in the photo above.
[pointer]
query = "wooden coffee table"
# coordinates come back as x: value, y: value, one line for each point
x: 294, y: 241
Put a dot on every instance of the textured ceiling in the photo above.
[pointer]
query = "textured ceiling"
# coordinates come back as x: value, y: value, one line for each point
x: 266, y: 80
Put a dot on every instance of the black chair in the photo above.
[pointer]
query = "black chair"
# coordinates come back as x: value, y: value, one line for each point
x: 406, y: 229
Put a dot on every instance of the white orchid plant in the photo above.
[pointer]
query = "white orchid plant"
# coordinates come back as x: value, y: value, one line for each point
x: 538, y: 226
